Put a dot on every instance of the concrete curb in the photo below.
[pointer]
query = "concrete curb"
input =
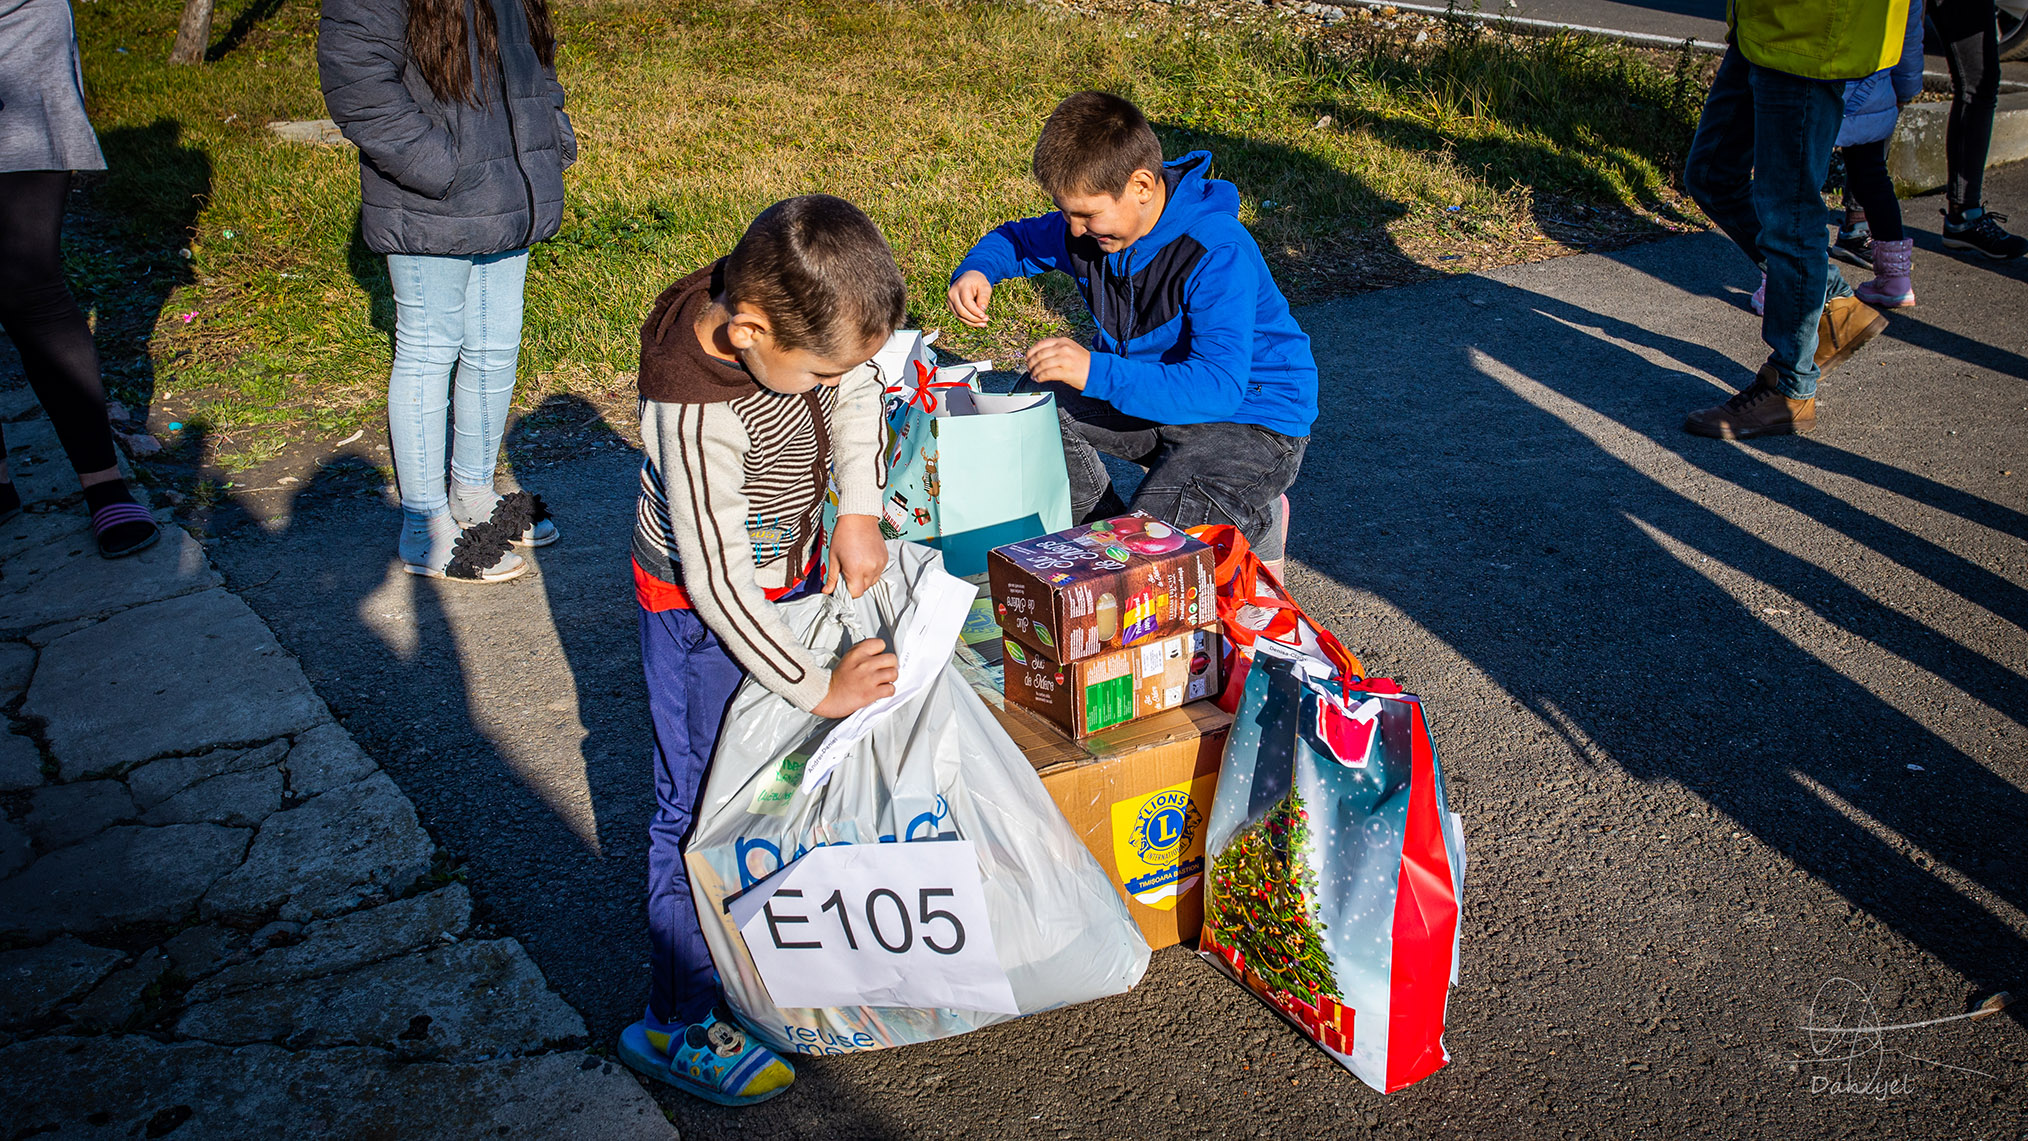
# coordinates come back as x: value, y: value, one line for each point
x: 1915, y: 158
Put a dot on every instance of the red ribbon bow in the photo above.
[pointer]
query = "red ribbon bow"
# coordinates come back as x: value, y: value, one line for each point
x: 926, y: 387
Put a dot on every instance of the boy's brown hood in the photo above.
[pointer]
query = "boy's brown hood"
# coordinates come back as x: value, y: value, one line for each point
x: 675, y: 369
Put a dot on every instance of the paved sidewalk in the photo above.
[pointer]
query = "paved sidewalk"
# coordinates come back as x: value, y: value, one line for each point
x: 218, y: 917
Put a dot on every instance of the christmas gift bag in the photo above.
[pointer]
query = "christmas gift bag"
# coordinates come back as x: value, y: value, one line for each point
x: 964, y: 471
x: 1336, y: 866
x: 1253, y: 604
x: 901, y: 874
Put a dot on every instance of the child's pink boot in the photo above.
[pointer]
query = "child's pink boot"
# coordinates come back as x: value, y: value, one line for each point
x: 1890, y: 287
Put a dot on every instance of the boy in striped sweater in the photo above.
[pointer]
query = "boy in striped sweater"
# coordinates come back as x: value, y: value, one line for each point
x: 754, y: 385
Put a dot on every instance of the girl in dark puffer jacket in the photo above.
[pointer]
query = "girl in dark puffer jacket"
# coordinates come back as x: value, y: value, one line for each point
x: 462, y: 139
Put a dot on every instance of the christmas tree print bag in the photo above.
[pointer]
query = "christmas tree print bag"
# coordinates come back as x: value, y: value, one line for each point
x: 1336, y: 866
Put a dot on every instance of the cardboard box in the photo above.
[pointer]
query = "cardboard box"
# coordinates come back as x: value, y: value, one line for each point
x: 1139, y: 795
x: 1102, y: 587
x: 1098, y: 693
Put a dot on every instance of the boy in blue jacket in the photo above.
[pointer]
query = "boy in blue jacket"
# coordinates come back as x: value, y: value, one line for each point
x: 1198, y: 372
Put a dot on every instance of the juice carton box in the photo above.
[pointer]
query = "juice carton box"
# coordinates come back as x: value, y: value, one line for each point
x: 1104, y: 586
x: 1098, y: 693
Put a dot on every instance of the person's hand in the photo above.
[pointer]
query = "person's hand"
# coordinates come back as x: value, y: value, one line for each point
x: 1059, y: 359
x: 858, y: 554
x: 865, y: 675
x: 969, y: 297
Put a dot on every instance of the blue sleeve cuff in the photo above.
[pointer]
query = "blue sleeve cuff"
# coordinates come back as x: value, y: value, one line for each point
x: 1098, y: 380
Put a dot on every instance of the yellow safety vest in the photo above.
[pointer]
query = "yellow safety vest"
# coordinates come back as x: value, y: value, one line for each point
x: 1819, y: 39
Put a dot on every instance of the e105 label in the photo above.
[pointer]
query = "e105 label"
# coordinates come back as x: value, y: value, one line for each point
x: 896, y: 917
x: 852, y: 925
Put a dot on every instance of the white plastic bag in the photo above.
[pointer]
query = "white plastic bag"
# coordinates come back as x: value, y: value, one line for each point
x: 932, y: 766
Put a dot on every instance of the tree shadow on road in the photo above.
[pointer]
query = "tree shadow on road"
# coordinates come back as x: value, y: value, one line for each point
x: 1510, y: 510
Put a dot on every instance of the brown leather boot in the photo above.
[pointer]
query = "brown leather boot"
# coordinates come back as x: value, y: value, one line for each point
x: 1760, y: 409
x: 1846, y: 324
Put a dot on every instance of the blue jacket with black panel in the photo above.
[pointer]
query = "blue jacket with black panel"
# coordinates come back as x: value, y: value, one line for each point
x: 1191, y: 327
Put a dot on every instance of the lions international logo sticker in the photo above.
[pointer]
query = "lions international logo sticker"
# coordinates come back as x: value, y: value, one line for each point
x: 1158, y: 841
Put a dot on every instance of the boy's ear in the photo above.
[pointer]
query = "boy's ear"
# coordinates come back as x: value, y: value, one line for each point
x: 1141, y: 186
x: 747, y: 327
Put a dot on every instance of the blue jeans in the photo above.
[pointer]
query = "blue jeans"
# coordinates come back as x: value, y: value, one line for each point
x: 1756, y: 167
x: 451, y: 312
x: 1197, y: 473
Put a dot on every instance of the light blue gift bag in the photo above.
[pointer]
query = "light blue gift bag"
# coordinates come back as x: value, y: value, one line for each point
x: 965, y: 471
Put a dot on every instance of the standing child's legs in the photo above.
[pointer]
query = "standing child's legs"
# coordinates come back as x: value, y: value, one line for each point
x: 429, y: 336
x: 60, y: 358
x: 1970, y: 32
x: 684, y: 1040
x: 1872, y: 189
x: 1893, y: 251
x: 691, y: 680
x: 484, y: 392
x: 487, y: 355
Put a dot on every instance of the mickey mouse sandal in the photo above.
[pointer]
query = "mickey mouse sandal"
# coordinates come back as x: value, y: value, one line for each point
x: 713, y: 1059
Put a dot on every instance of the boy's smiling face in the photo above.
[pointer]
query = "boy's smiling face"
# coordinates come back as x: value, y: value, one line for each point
x: 1116, y: 221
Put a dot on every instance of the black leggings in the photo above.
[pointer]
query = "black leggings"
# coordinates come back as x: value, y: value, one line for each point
x: 1970, y: 30
x: 1870, y: 188
x: 38, y: 312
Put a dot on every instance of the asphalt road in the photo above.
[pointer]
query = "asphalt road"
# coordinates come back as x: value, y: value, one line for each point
x: 1737, y: 730
x: 1677, y: 19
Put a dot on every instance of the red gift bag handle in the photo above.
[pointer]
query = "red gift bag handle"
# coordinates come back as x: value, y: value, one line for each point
x: 1239, y: 573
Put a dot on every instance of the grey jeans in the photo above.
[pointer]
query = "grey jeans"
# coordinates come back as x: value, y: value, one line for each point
x: 1197, y: 473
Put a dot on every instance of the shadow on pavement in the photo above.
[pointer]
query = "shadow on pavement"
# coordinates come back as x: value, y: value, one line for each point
x: 1541, y: 548
x: 513, y: 715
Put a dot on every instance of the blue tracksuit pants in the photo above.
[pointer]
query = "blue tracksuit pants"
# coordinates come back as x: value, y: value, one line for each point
x: 691, y: 680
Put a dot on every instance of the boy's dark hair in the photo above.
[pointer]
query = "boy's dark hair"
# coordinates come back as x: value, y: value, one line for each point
x: 1092, y: 144
x: 821, y: 271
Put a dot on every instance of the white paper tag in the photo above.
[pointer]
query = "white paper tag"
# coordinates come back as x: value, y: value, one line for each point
x: 876, y: 925
x: 942, y: 601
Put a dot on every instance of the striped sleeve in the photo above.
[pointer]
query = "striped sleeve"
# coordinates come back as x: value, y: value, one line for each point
x: 700, y: 449
x: 855, y: 442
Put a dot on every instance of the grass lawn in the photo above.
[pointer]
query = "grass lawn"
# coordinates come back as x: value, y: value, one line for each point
x: 233, y: 297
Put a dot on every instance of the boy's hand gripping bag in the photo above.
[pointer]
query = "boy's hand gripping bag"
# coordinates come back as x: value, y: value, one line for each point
x: 965, y: 471
x: 1336, y: 866
x: 929, y: 776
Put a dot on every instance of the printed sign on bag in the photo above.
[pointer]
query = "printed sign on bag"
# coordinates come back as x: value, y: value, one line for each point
x: 900, y: 925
